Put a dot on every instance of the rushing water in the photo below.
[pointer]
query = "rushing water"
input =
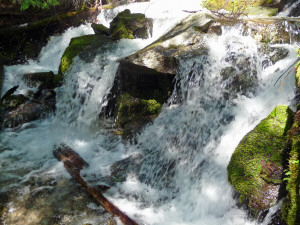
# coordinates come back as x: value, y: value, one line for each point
x: 182, y: 177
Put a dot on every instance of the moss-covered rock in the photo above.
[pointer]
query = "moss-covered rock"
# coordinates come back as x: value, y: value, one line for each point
x: 133, y: 113
x: 131, y: 109
x: 100, y: 29
x: 81, y: 46
x: 256, y: 166
x: 291, y: 209
x: 130, y: 26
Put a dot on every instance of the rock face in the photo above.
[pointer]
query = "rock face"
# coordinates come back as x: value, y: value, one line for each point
x: 127, y: 25
x: 256, y: 166
x: 291, y: 209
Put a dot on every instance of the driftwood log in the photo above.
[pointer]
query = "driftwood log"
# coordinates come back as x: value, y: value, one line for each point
x: 74, y: 163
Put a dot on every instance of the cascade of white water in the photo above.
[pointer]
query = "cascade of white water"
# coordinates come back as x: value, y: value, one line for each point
x: 183, y: 177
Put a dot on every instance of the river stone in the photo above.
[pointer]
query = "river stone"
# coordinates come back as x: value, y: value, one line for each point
x: 128, y: 25
x: 13, y: 101
x: 130, y: 165
x: 26, y: 113
x: 36, y: 79
x: 100, y: 29
x: 256, y: 167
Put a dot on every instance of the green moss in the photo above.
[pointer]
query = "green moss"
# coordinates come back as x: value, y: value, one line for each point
x: 78, y: 45
x: 263, y: 146
x: 131, y: 109
x: 125, y: 23
x: 291, y: 209
x: 237, y: 6
x: 297, y: 76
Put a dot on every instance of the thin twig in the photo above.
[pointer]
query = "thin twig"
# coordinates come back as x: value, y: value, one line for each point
x: 285, y: 71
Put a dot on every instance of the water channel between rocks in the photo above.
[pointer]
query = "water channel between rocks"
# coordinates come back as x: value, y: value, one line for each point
x: 180, y: 177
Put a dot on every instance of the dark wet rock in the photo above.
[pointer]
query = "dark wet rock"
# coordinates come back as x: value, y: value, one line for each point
x: 121, y: 169
x: 26, y: 113
x: 295, y: 11
x: 46, y: 79
x: 12, y: 102
x: 130, y: 25
x: 100, y: 29
x: 273, y: 55
x: 23, y: 42
x: 241, y: 76
x: 256, y: 167
x: 9, y: 92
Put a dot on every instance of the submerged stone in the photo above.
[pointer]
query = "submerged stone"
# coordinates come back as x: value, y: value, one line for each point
x: 256, y: 167
x: 36, y: 79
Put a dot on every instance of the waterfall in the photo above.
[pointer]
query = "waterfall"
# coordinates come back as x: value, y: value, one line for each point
x: 182, y: 177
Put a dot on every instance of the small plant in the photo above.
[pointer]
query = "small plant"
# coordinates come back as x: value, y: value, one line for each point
x: 42, y: 4
x: 230, y: 9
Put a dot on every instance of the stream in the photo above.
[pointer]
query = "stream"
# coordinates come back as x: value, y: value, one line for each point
x: 182, y: 173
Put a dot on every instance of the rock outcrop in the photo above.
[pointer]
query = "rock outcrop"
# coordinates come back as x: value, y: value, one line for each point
x: 256, y: 166
x: 23, y: 42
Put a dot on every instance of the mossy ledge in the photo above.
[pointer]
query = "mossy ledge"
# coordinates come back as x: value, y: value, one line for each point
x: 291, y: 208
x: 78, y: 46
x: 259, y: 159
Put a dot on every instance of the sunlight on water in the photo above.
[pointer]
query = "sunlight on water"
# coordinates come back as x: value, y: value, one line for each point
x: 182, y: 178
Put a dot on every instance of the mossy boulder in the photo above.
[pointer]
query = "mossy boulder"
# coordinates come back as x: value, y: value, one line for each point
x: 85, y: 47
x: 256, y: 167
x: 130, y: 25
x: 100, y: 29
x: 291, y: 209
x: 133, y: 113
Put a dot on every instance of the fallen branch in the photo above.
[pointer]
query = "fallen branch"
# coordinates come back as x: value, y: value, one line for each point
x: 286, y: 72
x: 73, y: 164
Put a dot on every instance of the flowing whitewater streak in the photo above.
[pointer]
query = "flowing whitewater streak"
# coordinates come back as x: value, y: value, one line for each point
x: 182, y: 177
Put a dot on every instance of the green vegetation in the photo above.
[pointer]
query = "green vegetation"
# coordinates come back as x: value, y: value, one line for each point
x: 257, y: 162
x: 236, y: 8
x: 132, y: 109
x: 297, y: 67
x: 77, y: 46
x: 42, y: 4
x: 291, y: 209
x: 125, y: 24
